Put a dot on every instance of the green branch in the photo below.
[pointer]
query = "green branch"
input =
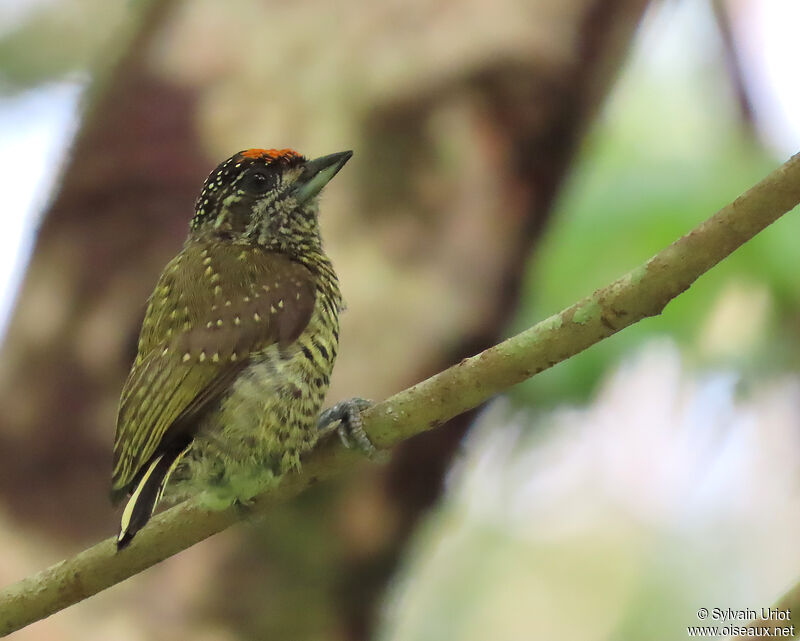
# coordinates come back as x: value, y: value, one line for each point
x: 641, y: 293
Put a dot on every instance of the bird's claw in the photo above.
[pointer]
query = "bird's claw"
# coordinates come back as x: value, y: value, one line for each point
x: 350, y: 426
x: 244, y: 507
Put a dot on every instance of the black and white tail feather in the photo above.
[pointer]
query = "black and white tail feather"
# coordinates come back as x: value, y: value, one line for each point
x: 146, y: 496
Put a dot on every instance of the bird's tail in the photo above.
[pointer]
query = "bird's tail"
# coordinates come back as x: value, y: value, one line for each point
x: 146, y: 495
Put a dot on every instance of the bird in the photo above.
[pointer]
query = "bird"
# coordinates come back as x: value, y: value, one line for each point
x: 237, y: 345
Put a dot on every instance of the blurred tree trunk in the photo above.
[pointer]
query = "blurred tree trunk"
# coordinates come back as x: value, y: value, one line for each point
x: 533, y: 118
x: 454, y: 269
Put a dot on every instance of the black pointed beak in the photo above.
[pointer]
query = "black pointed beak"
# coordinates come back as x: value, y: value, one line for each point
x: 317, y: 173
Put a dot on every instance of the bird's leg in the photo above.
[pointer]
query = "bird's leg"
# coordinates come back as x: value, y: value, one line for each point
x: 244, y: 507
x: 350, y: 426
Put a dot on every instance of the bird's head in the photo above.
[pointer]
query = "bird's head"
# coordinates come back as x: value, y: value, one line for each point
x: 266, y: 196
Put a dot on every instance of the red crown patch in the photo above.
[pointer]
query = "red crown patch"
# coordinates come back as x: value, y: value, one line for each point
x: 270, y: 154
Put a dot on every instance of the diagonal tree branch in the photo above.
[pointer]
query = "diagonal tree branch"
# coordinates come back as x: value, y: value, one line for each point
x: 641, y: 293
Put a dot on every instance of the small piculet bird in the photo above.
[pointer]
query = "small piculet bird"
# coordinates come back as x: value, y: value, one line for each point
x: 237, y: 345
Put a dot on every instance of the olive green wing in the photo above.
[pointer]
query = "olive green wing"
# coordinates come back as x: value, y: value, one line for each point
x: 214, y: 306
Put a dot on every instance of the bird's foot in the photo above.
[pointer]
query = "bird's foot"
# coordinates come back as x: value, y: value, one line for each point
x: 350, y: 427
x: 243, y: 507
x: 244, y: 503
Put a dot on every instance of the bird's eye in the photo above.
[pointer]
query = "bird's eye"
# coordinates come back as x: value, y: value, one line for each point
x: 257, y: 182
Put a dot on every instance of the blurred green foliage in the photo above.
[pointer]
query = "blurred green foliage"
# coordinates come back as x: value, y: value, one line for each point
x: 43, y: 42
x: 666, y: 154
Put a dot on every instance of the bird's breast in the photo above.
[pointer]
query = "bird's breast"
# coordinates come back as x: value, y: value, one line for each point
x: 292, y: 380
